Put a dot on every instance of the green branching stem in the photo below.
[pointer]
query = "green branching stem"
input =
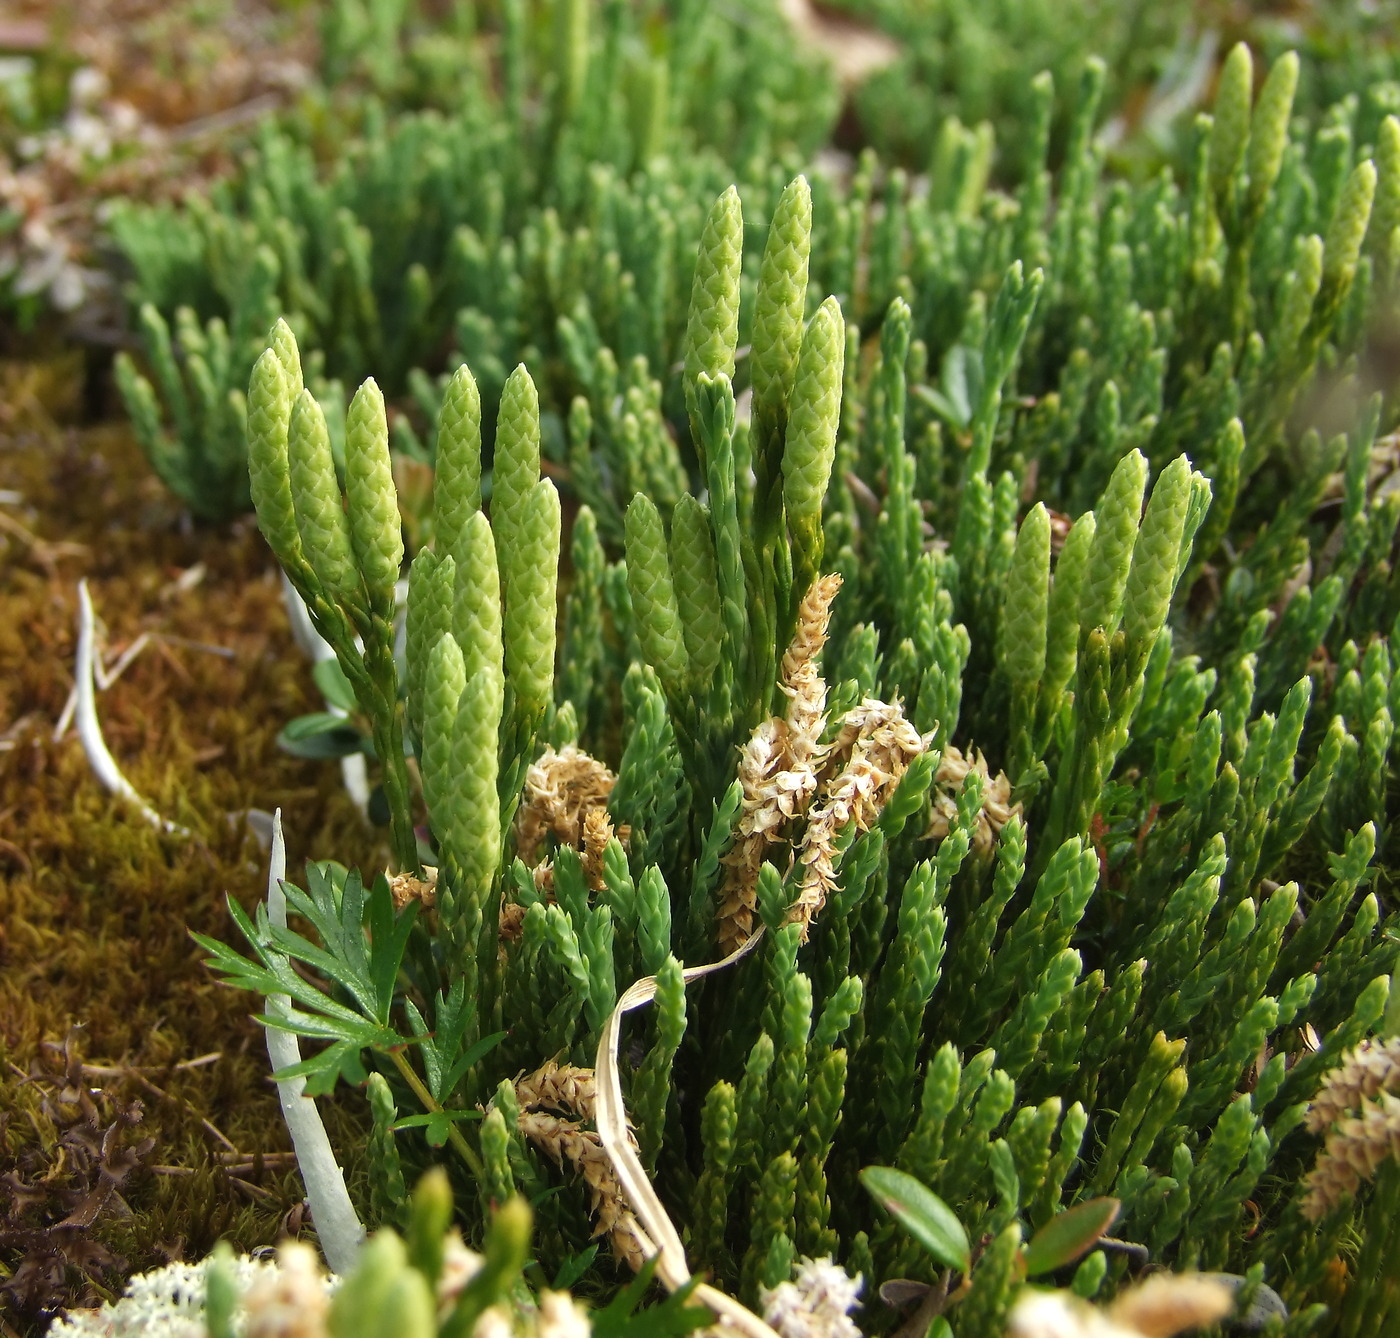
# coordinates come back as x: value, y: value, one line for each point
x: 454, y: 1135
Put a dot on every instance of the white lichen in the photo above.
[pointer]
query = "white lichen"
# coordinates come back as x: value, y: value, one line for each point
x: 169, y: 1302
x: 816, y: 1304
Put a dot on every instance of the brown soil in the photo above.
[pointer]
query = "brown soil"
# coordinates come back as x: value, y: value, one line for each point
x: 174, y: 62
x: 95, y: 905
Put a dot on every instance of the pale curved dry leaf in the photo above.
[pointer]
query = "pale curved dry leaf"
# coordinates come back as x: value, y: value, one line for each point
x: 659, y: 1239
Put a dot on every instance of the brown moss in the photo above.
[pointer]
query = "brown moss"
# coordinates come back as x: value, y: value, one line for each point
x: 95, y: 906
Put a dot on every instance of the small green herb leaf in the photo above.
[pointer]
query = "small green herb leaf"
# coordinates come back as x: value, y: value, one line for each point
x: 388, y: 938
x: 626, y: 1317
x: 322, y: 1071
x: 445, y: 1062
x: 436, y: 1123
x: 308, y: 726
x: 573, y: 1268
x: 320, y: 735
x: 335, y: 687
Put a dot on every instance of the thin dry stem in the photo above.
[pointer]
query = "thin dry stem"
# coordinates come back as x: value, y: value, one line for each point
x: 1371, y: 1068
x: 560, y: 789
x: 1354, y: 1150
x: 657, y: 1234
x: 997, y: 808
x: 878, y: 744
x: 565, y: 1141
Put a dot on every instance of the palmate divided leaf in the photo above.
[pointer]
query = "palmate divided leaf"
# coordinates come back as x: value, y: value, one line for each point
x: 446, y: 1056
x: 364, y: 965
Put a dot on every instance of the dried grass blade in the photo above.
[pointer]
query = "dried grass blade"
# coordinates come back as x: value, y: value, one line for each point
x: 337, y: 1224
x: 611, y: 1121
x: 99, y: 757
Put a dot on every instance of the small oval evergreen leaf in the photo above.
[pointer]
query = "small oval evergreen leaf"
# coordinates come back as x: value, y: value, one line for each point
x: 1070, y: 1234
x: 921, y: 1213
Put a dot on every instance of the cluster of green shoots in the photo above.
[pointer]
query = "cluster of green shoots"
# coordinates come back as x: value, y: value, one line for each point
x: 1035, y: 843
x: 962, y: 642
x: 581, y: 165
